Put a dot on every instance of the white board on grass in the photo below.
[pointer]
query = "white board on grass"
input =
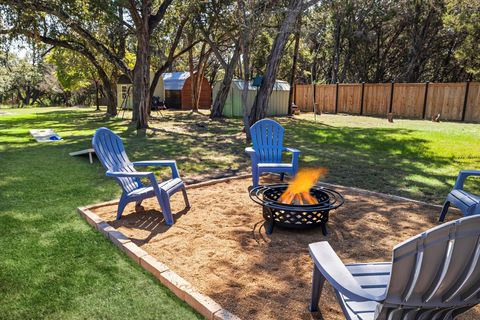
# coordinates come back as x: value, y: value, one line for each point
x: 45, y: 135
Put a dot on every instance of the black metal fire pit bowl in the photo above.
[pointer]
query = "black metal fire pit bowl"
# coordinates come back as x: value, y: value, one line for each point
x: 294, y: 215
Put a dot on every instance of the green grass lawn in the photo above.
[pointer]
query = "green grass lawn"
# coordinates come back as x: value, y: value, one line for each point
x: 54, y: 265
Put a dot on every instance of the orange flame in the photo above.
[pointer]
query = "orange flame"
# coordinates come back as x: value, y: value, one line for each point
x: 298, y: 191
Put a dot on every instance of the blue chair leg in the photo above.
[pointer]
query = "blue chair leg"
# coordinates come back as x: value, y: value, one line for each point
x: 138, y: 205
x: 255, y: 177
x: 185, y: 197
x: 164, y: 201
x: 446, y: 205
x: 282, y: 176
x: 121, y: 206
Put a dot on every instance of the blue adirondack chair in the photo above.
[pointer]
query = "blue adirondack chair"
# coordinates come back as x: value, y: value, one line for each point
x: 266, y: 154
x: 432, y: 276
x: 111, y: 153
x: 467, y: 202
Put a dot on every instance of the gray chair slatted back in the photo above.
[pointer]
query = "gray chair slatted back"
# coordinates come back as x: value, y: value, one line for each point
x: 267, y: 140
x: 110, y: 151
x: 436, y: 274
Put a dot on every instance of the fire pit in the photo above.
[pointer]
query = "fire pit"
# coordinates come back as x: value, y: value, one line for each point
x: 300, y: 216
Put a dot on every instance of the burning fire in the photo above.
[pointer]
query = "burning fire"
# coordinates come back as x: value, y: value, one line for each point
x: 298, y: 191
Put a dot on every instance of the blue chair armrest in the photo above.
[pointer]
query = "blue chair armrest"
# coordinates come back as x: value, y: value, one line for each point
x: 292, y: 150
x: 295, y: 156
x: 463, y: 175
x: 252, y: 153
x: 333, y: 269
x: 137, y: 174
x: 164, y: 163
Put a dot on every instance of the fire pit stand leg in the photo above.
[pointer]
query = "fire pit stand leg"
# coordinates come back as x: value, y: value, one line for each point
x: 324, y: 229
x: 271, y: 220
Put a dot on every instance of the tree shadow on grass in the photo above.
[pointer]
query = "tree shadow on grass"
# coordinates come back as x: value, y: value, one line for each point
x: 389, y: 160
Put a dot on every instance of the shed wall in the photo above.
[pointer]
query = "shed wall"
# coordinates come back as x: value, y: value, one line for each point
x: 277, y: 104
x: 159, y: 92
x: 205, y: 95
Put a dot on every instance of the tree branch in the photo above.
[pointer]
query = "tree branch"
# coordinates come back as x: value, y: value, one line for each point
x: 155, y: 19
x: 74, y: 25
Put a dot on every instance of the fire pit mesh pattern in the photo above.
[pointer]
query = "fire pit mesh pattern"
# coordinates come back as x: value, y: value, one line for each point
x: 295, y: 215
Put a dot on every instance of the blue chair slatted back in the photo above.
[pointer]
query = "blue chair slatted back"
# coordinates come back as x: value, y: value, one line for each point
x: 439, y: 268
x: 110, y: 151
x: 267, y: 139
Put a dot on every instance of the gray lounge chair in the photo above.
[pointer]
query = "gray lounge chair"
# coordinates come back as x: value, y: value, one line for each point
x: 435, y: 275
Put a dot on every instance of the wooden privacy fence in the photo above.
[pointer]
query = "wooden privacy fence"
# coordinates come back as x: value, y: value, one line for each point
x: 453, y: 101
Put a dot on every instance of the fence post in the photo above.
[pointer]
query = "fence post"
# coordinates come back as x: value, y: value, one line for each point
x: 336, y: 98
x: 390, y: 107
x: 424, y: 112
x: 361, y: 99
x: 465, y: 100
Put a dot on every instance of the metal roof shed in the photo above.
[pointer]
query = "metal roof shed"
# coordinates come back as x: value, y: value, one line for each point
x: 178, y: 91
x: 277, y: 104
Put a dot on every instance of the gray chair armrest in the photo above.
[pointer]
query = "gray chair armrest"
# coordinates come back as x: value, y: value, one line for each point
x: 335, y: 272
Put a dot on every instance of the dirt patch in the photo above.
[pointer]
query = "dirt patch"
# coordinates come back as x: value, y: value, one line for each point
x: 220, y: 246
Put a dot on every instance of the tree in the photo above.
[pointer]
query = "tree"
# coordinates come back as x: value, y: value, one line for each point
x: 74, y: 72
x: 81, y: 21
x: 28, y: 78
x: 217, y: 25
x: 260, y: 105
x: 463, y: 17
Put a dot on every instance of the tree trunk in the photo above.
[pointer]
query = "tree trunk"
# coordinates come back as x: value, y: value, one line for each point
x: 260, y: 105
x: 28, y: 93
x: 246, y: 83
x: 193, y: 77
x: 97, y: 100
x: 141, y: 81
x: 294, y: 67
x: 219, y: 103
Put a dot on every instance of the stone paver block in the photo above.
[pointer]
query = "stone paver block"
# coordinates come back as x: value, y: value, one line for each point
x: 205, y: 305
x: 118, y: 238
x: 133, y: 251
x: 153, y: 266
x: 105, y: 228
x: 175, y: 283
x: 225, y: 315
x: 91, y: 217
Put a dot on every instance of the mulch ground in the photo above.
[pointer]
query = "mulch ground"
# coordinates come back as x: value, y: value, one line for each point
x: 220, y: 246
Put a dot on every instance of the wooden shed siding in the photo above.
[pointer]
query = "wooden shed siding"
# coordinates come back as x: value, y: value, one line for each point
x: 205, y: 94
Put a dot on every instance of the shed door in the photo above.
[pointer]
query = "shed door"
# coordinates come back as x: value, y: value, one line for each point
x: 173, y: 99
